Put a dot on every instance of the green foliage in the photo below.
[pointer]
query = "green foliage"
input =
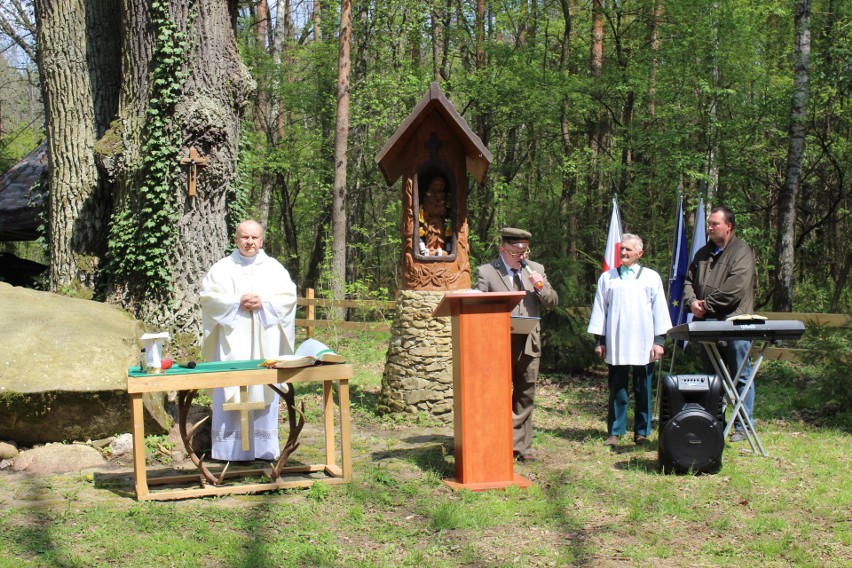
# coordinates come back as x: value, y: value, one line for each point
x: 20, y: 140
x: 142, y: 231
x: 827, y: 387
x: 158, y: 449
x: 707, y: 104
x: 319, y: 491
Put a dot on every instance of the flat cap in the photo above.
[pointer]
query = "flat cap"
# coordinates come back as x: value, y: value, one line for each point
x: 512, y: 234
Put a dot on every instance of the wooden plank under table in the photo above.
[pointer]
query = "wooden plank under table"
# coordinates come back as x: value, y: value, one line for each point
x: 243, y: 373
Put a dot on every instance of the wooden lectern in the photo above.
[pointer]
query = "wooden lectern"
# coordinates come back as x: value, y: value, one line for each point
x: 482, y: 388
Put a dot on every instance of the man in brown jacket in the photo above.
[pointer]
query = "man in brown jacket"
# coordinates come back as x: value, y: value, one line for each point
x: 511, y: 271
x: 720, y: 284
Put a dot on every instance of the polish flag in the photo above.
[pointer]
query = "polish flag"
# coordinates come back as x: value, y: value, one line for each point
x: 612, y: 255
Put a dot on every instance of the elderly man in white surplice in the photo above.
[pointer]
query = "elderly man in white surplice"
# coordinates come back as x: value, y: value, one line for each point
x: 248, y: 306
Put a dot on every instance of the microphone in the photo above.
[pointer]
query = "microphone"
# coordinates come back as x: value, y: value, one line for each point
x: 526, y: 267
x: 186, y: 364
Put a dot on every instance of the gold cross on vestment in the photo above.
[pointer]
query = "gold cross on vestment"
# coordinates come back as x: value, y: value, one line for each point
x: 244, y: 407
x: 194, y: 161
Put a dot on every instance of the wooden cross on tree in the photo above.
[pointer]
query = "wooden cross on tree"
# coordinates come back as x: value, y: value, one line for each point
x: 194, y: 161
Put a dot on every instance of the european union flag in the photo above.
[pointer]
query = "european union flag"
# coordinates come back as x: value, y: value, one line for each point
x: 680, y: 262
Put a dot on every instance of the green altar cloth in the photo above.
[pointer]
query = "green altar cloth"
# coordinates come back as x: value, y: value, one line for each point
x: 211, y: 367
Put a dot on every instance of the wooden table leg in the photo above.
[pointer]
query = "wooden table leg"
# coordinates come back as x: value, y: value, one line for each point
x: 328, y: 414
x: 345, y: 432
x: 140, y: 472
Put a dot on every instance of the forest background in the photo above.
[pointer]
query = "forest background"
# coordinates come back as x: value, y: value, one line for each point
x: 742, y: 103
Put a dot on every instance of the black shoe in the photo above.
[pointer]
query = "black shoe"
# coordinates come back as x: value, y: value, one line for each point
x: 738, y: 436
x: 640, y: 440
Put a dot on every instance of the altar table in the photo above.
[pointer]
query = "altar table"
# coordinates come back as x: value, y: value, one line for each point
x: 242, y: 373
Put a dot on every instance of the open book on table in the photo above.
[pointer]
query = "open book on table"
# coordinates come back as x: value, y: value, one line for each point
x: 310, y: 352
x: 740, y: 318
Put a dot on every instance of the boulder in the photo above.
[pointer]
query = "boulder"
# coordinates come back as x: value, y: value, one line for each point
x: 8, y: 450
x: 58, y: 458
x: 20, y: 271
x: 63, y: 364
x: 21, y: 201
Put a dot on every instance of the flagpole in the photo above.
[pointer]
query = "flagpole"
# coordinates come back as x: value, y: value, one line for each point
x: 675, y: 275
x: 676, y: 250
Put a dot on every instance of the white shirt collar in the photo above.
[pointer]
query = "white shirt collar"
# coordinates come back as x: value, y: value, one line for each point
x: 246, y: 260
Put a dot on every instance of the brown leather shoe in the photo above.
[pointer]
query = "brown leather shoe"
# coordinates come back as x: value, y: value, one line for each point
x: 640, y: 440
x: 612, y: 441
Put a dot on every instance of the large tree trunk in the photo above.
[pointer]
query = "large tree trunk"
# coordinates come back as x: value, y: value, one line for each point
x: 96, y: 59
x: 205, y: 115
x: 209, y: 115
x: 782, y: 300
x: 78, y: 63
x: 341, y: 146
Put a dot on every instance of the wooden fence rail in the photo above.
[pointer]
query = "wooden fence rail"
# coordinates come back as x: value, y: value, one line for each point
x: 309, y: 322
x: 310, y: 303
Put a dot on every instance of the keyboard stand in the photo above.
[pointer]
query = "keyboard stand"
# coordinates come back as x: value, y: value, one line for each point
x: 732, y: 395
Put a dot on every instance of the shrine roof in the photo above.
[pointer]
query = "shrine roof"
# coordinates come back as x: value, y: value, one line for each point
x: 434, y: 101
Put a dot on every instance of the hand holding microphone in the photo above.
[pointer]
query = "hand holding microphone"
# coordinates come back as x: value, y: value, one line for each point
x: 535, y: 277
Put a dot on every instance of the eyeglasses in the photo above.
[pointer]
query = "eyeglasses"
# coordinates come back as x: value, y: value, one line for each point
x: 516, y: 254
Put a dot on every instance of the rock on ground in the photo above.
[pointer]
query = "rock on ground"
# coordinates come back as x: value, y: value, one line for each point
x: 63, y: 364
x: 8, y: 450
x: 122, y: 445
x: 58, y: 458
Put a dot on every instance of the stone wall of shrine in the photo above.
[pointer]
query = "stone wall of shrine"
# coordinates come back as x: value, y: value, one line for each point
x: 418, y: 374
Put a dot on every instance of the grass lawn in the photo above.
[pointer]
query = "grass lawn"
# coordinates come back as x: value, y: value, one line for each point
x: 588, y: 506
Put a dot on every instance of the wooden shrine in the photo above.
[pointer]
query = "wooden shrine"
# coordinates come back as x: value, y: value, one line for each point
x: 432, y: 151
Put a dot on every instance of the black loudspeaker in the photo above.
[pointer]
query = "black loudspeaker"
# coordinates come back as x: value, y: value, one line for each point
x: 692, y: 424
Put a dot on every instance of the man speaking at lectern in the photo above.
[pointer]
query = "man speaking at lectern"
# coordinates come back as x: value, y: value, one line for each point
x: 511, y: 271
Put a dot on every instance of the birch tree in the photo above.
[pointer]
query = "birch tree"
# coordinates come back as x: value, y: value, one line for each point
x: 786, y: 242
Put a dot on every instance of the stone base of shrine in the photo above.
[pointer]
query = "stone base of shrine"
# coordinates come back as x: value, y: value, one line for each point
x: 418, y: 376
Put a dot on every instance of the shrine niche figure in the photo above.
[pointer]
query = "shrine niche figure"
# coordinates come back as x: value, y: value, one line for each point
x: 435, y: 220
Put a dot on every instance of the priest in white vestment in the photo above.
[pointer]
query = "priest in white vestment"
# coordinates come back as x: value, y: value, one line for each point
x: 630, y: 318
x: 248, y: 307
